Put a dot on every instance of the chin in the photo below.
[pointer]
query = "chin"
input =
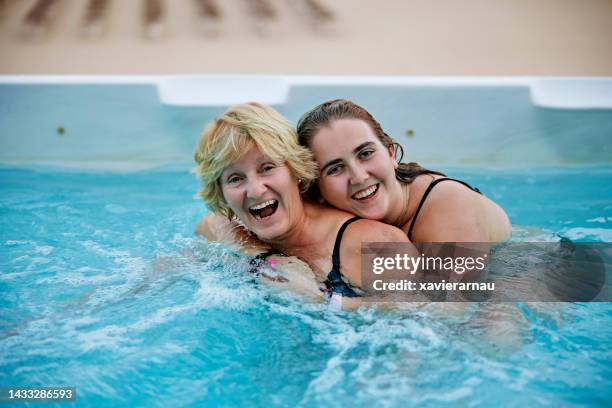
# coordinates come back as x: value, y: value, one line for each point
x: 269, y: 234
x: 373, y: 214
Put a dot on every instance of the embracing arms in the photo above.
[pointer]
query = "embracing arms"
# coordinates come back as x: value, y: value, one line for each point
x: 284, y: 272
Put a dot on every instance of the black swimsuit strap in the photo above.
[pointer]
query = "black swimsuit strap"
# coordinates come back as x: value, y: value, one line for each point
x: 334, y: 277
x: 336, y: 253
x: 429, y: 188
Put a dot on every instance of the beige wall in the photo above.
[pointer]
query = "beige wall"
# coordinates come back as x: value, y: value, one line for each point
x: 384, y: 37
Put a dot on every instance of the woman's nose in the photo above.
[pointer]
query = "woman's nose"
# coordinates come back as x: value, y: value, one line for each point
x: 357, y: 174
x: 255, y: 187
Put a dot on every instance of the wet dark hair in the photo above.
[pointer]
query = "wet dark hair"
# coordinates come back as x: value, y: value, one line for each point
x: 324, y: 114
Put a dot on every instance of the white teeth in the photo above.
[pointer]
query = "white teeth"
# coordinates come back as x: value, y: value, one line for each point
x: 368, y: 191
x: 262, y: 205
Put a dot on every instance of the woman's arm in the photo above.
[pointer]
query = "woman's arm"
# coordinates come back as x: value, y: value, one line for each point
x: 364, y: 231
x: 293, y: 274
x: 216, y: 228
x: 282, y: 272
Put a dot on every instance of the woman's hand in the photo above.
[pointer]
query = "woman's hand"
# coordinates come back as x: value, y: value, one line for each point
x: 291, y: 273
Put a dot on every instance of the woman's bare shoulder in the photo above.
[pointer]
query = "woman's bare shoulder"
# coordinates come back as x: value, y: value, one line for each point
x: 365, y: 230
x: 455, y: 213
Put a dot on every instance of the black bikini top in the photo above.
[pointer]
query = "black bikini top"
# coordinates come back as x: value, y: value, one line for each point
x: 334, y: 282
x: 429, y: 188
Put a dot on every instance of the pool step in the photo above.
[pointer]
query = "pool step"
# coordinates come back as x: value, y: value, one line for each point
x: 572, y: 93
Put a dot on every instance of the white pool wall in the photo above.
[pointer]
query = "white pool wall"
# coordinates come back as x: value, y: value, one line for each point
x: 144, y: 121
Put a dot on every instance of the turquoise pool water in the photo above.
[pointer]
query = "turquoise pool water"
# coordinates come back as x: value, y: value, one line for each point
x: 104, y: 287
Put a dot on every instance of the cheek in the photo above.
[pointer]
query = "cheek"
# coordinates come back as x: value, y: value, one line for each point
x: 296, y: 198
x: 332, y: 189
x: 288, y: 185
x: 230, y: 198
x: 383, y: 169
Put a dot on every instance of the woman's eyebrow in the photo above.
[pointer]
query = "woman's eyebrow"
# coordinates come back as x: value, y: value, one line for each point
x: 263, y: 159
x: 330, y: 163
x: 355, y: 151
x: 361, y: 146
x: 229, y: 170
x: 226, y: 174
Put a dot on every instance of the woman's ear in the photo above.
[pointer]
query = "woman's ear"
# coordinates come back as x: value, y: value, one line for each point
x: 392, y: 155
x: 394, y: 149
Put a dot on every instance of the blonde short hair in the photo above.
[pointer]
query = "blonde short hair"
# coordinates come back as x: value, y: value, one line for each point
x: 226, y: 139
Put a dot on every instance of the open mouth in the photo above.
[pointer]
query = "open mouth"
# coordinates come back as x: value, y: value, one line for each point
x: 264, y: 210
x: 366, y: 192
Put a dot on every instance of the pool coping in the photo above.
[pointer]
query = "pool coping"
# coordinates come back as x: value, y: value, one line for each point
x: 218, y: 90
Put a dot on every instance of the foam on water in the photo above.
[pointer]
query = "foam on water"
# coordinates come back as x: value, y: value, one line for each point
x: 590, y: 234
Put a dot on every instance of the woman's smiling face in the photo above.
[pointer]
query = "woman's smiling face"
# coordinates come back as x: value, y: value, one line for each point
x: 264, y: 195
x: 357, y: 173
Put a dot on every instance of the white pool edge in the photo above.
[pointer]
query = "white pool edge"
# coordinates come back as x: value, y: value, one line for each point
x: 220, y: 90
